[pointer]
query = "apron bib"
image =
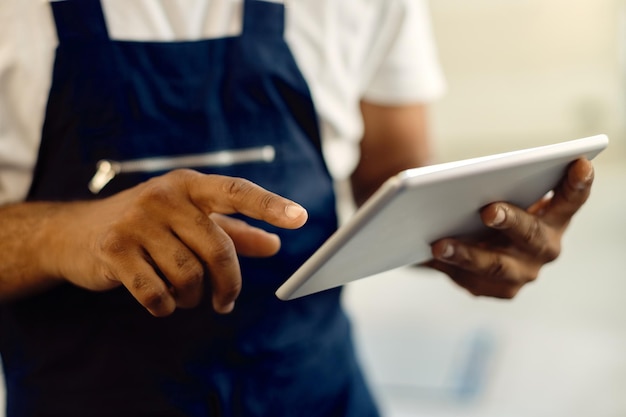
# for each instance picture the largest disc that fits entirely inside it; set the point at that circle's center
(120, 112)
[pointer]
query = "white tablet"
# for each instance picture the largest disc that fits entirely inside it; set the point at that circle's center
(396, 226)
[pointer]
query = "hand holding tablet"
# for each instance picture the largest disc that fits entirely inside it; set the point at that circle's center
(417, 207)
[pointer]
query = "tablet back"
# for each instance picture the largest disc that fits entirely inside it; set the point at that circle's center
(396, 226)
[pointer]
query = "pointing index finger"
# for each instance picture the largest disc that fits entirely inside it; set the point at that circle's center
(227, 195)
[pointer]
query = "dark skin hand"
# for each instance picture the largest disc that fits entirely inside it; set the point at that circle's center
(520, 243)
(174, 226)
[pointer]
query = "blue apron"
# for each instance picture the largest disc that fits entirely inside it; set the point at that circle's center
(240, 106)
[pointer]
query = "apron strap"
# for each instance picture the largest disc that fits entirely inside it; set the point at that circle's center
(91, 25)
(263, 18)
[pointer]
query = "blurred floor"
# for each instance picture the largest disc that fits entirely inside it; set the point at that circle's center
(558, 349)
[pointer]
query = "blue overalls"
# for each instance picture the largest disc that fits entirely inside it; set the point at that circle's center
(239, 106)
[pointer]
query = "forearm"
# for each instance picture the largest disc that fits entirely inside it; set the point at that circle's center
(27, 246)
(395, 138)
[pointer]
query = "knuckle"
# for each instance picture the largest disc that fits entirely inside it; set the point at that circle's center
(268, 201)
(236, 187)
(140, 282)
(191, 278)
(189, 272)
(187, 264)
(115, 243)
(547, 250)
(222, 252)
(157, 192)
(551, 252)
(496, 268)
(180, 175)
(153, 299)
(149, 296)
(203, 221)
(534, 232)
(535, 236)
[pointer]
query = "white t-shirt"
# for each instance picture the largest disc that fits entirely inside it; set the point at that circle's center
(381, 51)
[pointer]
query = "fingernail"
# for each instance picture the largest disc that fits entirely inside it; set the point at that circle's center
(293, 211)
(448, 251)
(500, 217)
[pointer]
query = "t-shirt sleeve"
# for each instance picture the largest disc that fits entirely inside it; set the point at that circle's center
(404, 60)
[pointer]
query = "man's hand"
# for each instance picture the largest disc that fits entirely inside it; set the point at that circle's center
(520, 243)
(165, 239)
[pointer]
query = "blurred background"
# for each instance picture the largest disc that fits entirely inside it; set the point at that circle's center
(520, 73)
